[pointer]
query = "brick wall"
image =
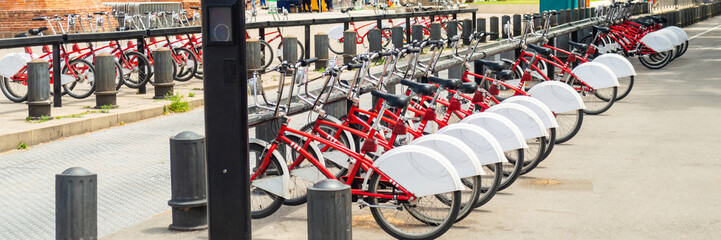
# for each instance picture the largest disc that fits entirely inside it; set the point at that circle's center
(16, 15)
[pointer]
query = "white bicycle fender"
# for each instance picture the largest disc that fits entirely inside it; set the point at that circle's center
(529, 123)
(617, 63)
(275, 185)
(657, 42)
(462, 157)
(486, 147)
(558, 96)
(538, 107)
(596, 75)
(671, 35)
(11, 64)
(506, 132)
(680, 32)
(336, 33)
(420, 170)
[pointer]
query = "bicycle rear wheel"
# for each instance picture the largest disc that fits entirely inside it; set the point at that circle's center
(335, 45)
(16, 91)
(656, 61)
(624, 88)
(84, 83)
(490, 183)
(266, 54)
(550, 143)
(263, 203)
(469, 196)
(569, 123)
(391, 217)
(597, 101)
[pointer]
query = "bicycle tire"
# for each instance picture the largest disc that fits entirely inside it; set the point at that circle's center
(494, 174)
(256, 151)
(300, 56)
(198, 51)
(139, 65)
(266, 53)
(624, 88)
(569, 123)
(509, 171)
(386, 36)
(335, 46)
(186, 64)
(533, 154)
(74, 89)
(683, 50)
(597, 101)
(665, 59)
(469, 197)
(6, 86)
(298, 186)
(392, 225)
(118, 76)
(550, 143)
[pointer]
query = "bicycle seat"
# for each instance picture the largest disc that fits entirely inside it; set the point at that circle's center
(195, 8)
(493, 65)
(420, 88)
(306, 62)
(450, 84)
(601, 29)
(540, 50)
(468, 87)
(577, 45)
(36, 31)
(21, 35)
(396, 101)
(503, 75)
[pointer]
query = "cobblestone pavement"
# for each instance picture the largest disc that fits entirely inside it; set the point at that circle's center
(132, 167)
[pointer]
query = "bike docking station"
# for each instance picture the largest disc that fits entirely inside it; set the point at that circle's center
(226, 119)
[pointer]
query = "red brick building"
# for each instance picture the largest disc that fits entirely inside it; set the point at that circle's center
(16, 15)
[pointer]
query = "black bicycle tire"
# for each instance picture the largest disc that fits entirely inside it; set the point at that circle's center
(528, 166)
(279, 51)
(550, 143)
(575, 130)
(387, 33)
(266, 50)
(513, 175)
(145, 77)
(277, 202)
(8, 93)
(378, 216)
(181, 75)
(608, 106)
(493, 189)
(68, 89)
(119, 76)
(332, 49)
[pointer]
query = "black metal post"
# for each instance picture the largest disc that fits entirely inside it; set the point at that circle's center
(307, 41)
(226, 119)
(408, 29)
(57, 97)
(76, 204)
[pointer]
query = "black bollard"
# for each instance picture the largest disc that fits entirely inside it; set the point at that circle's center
(187, 180)
(76, 204)
(329, 211)
(163, 73)
(38, 89)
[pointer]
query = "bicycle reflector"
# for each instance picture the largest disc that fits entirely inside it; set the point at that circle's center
(369, 145)
(526, 77)
(46, 49)
(571, 57)
(493, 90)
(477, 97)
(429, 115)
(399, 128)
(454, 104)
(76, 47)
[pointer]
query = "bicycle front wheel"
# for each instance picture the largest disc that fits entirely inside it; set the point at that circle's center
(262, 202)
(509, 170)
(186, 62)
(335, 45)
(569, 123)
(532, 155)
(16, 91)
(266, 54)
(83, 83)
(469, 196)
(400, 219)
(136, 69)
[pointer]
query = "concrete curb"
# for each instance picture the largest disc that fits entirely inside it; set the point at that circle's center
(82, 125)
